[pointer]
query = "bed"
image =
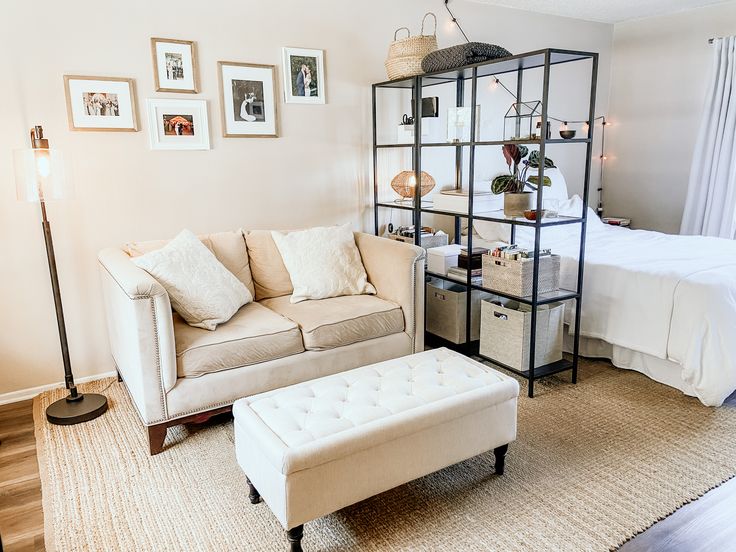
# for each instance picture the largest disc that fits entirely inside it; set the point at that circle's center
(659, 304)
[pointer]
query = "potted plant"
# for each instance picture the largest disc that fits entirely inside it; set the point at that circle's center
(517, 198)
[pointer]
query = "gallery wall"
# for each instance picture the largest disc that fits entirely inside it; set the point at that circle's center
(660, 73)
(316, 173)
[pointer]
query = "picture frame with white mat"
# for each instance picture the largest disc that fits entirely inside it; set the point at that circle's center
(304, 75)
(248, 99)
(178, 124)
(175, 65)
(103, 104)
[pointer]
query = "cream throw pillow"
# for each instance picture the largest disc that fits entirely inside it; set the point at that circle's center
(200, 288)
(323, 262)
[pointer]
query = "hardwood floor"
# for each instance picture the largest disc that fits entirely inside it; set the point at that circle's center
(704, 525)
(21, 514)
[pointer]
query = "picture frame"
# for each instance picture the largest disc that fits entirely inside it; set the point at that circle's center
(175, 124)
(304, 76)
(248, 99)
(102, 104)
(175, 66)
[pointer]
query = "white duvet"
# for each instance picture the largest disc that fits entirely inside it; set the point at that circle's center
(672, 297)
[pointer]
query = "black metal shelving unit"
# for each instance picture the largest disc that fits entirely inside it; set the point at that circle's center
(468, 75)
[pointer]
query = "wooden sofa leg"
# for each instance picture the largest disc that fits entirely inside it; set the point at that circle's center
(253, 494)
(156, 438)
(295, 535)
(500, 454)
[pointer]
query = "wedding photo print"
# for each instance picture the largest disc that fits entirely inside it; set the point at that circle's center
(100, 103)
(304, 76)
(247, 99)
(174, 65)
(178, 124)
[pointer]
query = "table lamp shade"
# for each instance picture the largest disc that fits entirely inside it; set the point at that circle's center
(40, 174)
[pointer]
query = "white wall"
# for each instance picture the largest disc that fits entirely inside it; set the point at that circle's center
(660, 72)
(317, 172)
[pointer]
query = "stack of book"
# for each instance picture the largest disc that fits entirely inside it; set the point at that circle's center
(474, 260)
(461, 275)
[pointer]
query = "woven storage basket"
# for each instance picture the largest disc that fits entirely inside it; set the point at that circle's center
(405, 55)
(505, 333)
(516, 277)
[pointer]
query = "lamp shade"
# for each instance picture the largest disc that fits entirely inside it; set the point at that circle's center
(40, 175)
(405, 182)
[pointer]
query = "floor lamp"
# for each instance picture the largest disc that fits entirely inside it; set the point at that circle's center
(39, 176)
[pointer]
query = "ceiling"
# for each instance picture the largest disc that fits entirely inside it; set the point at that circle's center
(605, 11)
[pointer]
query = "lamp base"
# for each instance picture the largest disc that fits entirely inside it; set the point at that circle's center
(83, 408)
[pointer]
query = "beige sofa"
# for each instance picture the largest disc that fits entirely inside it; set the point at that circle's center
(176, 373)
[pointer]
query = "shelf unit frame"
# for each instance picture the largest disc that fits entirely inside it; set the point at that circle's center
(545, 59)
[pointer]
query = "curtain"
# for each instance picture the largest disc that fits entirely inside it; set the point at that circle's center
(710, 207)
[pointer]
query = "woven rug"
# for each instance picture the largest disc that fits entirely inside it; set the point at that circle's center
(594, 464)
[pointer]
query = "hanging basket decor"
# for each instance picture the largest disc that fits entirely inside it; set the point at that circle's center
(405, 55)
(405, 182)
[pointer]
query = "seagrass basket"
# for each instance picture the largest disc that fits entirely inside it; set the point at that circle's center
(405, 55)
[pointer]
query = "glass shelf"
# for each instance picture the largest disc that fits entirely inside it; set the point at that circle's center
(542, 298)
(498, 216)
(521, 62)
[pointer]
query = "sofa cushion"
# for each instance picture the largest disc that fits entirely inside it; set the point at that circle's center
(254, 334)
(339, 321)
(228, 247)
(270, 277)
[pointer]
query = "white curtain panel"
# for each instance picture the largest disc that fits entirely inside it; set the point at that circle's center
(710, 208)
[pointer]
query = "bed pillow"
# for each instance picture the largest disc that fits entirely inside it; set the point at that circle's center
(200, 288)
(323, 262)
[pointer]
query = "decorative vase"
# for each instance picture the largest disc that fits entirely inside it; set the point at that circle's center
(514, 204)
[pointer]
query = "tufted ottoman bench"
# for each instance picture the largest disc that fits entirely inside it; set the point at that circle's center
(313, 448)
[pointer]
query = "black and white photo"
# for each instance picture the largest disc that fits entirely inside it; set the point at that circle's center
(175, 65)
(248, 93)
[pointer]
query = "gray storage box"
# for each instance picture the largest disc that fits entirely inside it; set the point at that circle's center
(506, 333)
(446, 308)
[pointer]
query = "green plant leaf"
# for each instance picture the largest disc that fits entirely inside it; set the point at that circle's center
(534, 179)
(502, 183)
(534, 161)
(523, 150)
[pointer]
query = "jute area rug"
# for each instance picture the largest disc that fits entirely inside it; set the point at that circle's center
(593, 465)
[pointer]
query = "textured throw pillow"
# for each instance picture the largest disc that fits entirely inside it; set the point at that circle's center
(322, 263)
(200, 288)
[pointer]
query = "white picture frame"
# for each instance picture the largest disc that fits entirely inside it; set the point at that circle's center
(104, 104)
(175, 65)
(178, 124)
(248, 100)
(302, 65)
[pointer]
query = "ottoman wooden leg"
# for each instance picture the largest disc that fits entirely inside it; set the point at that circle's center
(500, 454)
(295, 535)
(253, 494)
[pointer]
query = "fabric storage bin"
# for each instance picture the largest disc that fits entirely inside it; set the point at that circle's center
(446, 308)
(441, 259)
(516, 277)
(506, 333)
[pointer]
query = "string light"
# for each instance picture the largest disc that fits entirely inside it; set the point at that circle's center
(494, 83)
(563, 126)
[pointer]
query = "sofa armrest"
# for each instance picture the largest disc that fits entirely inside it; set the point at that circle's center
(141, 331)
(396, 270)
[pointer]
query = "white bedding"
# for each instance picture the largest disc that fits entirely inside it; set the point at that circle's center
(671, 297)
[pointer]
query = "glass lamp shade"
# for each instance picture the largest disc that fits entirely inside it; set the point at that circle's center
(40, 175)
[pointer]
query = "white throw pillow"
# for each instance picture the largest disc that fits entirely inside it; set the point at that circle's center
(200, 288)
(323, 262)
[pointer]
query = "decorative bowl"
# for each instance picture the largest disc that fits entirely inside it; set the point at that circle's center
(567, 134)
(531, 214)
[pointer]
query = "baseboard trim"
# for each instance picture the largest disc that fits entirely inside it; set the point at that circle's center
(25, 394)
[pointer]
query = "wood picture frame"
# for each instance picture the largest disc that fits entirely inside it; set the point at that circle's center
(173, 61)
(248, 106)
(101, 104)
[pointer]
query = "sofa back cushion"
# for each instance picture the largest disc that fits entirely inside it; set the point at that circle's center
(270, 277)
(228, 247)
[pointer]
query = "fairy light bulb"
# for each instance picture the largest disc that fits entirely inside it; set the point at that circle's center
(494, 83)
(563, 126)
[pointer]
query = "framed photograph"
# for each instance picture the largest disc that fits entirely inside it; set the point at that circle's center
(178, 124)
(175, 65)
(304, 76)
(101, 103)
(248, 96)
